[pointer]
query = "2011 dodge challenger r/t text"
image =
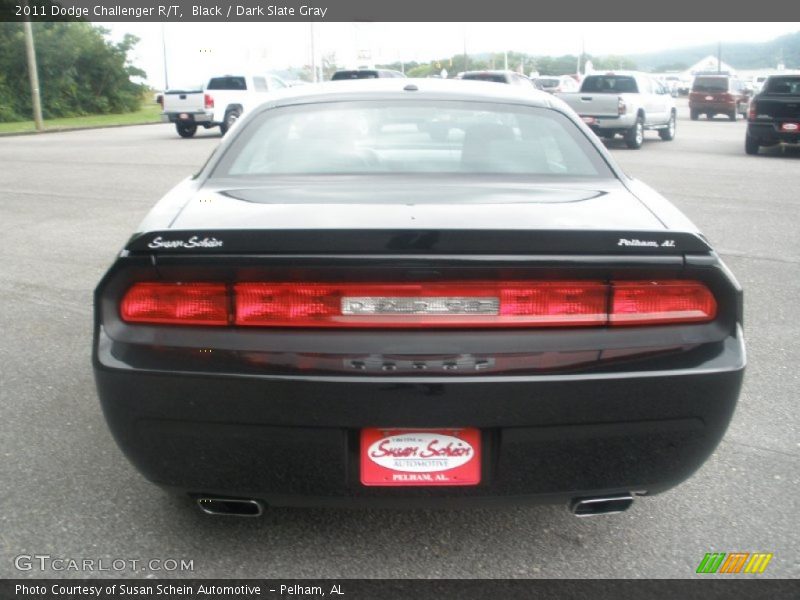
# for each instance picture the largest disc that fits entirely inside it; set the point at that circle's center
(416, 293)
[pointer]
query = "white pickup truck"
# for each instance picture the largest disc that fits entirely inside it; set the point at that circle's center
(223, 100)
(625, 103)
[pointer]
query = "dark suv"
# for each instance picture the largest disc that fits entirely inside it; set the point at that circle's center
(718, 94)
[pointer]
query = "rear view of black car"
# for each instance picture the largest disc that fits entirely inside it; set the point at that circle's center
(774, 115)
(343, 309)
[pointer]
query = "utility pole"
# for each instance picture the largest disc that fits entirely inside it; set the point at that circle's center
(465, 46)
(33, 74)
(719, 57)
(505, 60)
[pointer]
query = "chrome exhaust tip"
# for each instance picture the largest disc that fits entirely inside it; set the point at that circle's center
(600, 505)
(231, 507)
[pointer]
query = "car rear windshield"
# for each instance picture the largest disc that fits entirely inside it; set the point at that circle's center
(361, 74)
(407, 136)
(783, 85)
(710, 84)
(548, 82)
(227, 83)
(494, 77)
(609, 84)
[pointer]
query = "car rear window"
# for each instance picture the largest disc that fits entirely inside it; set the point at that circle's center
(609, 84)
(710, 84)
(227, 83)
(360, 74)
(494, 77)
(783, 85)
(548, 82)
(411, 137)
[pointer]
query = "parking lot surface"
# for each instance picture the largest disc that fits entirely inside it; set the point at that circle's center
(68, 202)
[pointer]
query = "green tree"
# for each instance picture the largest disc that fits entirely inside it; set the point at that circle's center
(80, 72)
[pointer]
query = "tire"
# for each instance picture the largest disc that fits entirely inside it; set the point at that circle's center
(668, 134)
(634, 137)
(231, 116)
(750, 145)
(695, 115)
(186, 130)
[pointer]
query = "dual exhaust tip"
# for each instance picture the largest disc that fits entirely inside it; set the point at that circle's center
(580, 507)
(600, 505)
(231, 507)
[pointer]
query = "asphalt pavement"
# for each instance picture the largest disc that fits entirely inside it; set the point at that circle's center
(68, 202)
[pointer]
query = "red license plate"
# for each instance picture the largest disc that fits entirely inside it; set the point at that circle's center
(411, 457)
(790, 127)
(589, 120)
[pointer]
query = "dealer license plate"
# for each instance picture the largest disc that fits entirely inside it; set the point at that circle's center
(790, 127)
(589, 120)
(414, 457)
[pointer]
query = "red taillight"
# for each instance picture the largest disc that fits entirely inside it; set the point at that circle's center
(208, 101)
(751, 111)
(622, 108)
(176, 303)
(658, 302)
(492, 304)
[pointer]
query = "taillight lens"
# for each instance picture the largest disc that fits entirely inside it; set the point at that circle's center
(751, 111)
(659, 302)
(176, 303)
(622, 108)
(485, 304)
(208, 101)
(493, 304)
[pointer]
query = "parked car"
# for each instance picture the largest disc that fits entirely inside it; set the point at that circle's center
(718, 94)
(555, 85)
(672, 83)
(497, 76)
(328, 315)
(774, 115)
(219, 103)
(365, 74)
(624, 103)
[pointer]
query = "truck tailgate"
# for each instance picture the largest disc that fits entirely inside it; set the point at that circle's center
(183, 101)
(593, 105)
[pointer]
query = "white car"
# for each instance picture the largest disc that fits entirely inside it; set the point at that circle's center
(220, 103)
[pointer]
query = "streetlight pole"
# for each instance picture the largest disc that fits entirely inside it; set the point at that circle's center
(313, 56)
(33, 74)
(164, 53)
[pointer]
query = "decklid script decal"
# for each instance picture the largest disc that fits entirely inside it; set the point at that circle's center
(406, 241)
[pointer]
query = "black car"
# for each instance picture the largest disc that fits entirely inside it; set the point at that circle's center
(342, 309)
(366, 74)
(774, 115)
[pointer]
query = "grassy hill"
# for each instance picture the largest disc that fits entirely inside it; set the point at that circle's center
(758, 55)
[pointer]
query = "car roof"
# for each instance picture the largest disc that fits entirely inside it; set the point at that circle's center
(422, 89)
(615, 73)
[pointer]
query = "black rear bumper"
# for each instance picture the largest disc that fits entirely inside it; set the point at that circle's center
(768, 134)
(294, 440)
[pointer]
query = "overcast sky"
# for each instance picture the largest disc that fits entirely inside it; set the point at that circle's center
(197, 50)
